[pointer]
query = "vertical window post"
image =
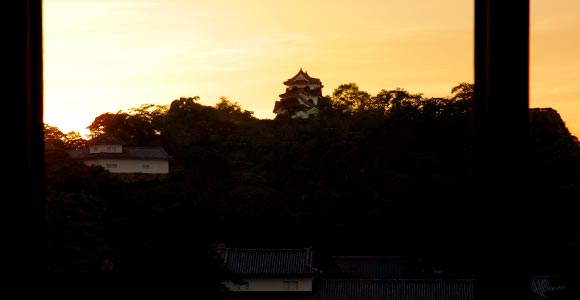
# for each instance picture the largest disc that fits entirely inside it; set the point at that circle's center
(23, 117)
(501, 113)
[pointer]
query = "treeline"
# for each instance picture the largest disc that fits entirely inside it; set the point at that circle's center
(389, 174)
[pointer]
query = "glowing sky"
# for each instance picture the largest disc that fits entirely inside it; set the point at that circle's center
(110, 55)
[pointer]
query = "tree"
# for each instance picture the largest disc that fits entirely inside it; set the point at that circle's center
(397, 102)
(109, 123)
(232, 111)
(140, 126)
(179, 121)
(150, 117)
(462, 98)
(152, 113)
(463, 92)
(76, 214)
(348, 97)
(434, 107)
(144, 124)
(288, 108)
(194, 130)
(58, 139)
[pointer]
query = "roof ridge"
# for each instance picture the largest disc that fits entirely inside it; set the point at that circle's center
(269, 249)
(397, 279)
(143, 147)
(365, 256)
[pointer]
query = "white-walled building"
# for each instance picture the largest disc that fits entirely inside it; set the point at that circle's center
(289, 274)
(269, 270)
(110, 153)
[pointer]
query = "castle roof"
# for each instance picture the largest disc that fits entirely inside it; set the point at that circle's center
(296, 91)
(302, 77)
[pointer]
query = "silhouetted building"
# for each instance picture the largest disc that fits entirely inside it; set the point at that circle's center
(130, 163)
(295, 274)
(269, 270)
(301, 98)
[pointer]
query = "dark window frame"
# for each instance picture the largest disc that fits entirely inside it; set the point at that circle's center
(501, 35)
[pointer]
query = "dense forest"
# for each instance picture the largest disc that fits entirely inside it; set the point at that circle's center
(385, 174)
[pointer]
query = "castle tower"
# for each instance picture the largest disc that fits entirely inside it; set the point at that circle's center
(300, 100)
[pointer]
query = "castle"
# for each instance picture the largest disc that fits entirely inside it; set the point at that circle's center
(301, 98)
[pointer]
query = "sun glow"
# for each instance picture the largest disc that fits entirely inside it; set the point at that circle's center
(106, 56)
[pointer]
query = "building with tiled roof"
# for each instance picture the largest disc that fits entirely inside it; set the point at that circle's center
(133, 163)
(289, 270)
(290, 274)
(301, 98)
(375, 289)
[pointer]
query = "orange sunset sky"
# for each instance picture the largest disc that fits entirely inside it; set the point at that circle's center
(111, 55)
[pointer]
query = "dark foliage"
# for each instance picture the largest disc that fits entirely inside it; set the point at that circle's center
(393, 177)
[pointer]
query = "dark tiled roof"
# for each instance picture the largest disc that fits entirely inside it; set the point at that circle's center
(298, 91)
(269, 262)
(369, 267)
(306, 103)
(107, 138)
(272, 296)
(368, 289)
(309, 80)
(277, 108)
(154, 153)
(541, 287)
(396, 289)
(389, 289)
(147, 152)
(299, 99)
(302, 100)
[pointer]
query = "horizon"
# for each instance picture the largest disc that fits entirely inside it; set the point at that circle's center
(109, 56)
